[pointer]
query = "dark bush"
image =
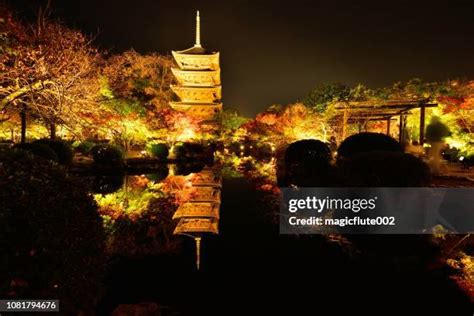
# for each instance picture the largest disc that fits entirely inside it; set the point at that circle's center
(307, 163)
(179, 151)
(193, 149)
(367, 142)
(62, 149)
(451, 154)
(39, 150)
(384, 169)
(309, 151)
(190, 150)
(160, 151)
(467, 162)
(52, 237)
(107, 155)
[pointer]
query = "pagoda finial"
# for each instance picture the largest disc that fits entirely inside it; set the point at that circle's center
(198, 252)
(198, 30)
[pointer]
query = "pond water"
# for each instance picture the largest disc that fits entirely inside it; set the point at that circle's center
(247, 267)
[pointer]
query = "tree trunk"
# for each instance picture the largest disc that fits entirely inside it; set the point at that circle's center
(23, 126)
(52, 131)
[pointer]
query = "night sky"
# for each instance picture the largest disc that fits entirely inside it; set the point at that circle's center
(275, 52)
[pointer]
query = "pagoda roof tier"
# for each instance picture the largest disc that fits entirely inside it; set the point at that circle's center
(188, 61)
(196, 226)
(207, 177)
(195, 50)
(206, 194)
(198, 110)
(197, 77)
(198, 94)
(202, 210)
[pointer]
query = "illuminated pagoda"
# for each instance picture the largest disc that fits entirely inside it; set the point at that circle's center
(198, 80)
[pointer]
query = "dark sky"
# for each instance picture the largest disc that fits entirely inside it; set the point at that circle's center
(276, 51)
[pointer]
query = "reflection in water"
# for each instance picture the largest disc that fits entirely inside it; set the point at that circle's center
(200, 214)
(104, 184)
(142, 212)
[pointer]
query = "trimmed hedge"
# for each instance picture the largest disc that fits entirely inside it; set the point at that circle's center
(39, 150)
(183, 151)
(107, 155)
(309, 151)
(307, 163)
(367, 142)
(62, 149)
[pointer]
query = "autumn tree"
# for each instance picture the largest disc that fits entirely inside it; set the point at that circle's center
(48, 71)
(142, 81)
(290, 123)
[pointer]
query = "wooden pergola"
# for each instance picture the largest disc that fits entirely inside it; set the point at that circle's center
(362, 112)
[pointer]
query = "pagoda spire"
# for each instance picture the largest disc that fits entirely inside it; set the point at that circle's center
(198, 30)
(198, 252)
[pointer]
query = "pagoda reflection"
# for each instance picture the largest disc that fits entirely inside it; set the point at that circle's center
(199, 215)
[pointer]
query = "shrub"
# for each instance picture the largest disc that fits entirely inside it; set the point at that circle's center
(160, 151)
(189, 150)
(39, 150)
(193, 150)
(384, 169)
(107, 155)
(62, 149)
(307, 163)
(367, 142)
(310, 151)
(52, 236)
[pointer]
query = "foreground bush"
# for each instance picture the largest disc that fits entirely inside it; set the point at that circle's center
(107, 155)
(367, 142)
(39, 150)
(307, 163)
(62, 149)
(52, 236)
